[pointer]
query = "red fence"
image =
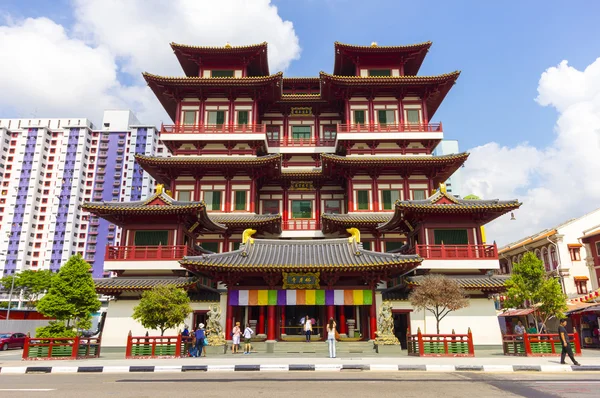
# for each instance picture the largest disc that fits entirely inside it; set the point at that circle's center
(61, 348)
(440, 345)
(308, 142)
(156, 346)
(212, 128)
(537, 345)
(389, 128)
(300, 225)
(458, 252)
(176, 252)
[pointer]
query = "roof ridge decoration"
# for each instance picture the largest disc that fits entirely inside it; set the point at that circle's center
(227, 46)
(152, 76)
(454, 74)
(375, 45)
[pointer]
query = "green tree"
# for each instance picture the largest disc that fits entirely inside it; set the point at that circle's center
(32, 284)
(530, 286)
(72, 296)
(471, 197)
(438, 295)
(162, 308)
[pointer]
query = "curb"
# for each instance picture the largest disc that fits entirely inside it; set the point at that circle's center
(17, 370)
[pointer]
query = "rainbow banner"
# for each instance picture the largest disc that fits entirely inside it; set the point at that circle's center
(300, 297)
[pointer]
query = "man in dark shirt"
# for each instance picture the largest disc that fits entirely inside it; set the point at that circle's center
(566, 345)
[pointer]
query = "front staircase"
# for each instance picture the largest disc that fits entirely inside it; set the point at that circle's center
(315, 347)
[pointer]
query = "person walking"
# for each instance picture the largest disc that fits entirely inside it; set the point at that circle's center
(248, 332)
(566, 345)
(193, 351)
(185, 336)
(331, 330)
(307, 328)
(200, 340)
(236, 333)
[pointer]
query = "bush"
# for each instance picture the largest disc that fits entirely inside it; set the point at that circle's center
(55, 329)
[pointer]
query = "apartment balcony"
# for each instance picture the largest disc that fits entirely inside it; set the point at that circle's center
(186, 129)
(470, 256)
(148, 253)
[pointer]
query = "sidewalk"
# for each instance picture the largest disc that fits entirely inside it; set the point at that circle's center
(10, 363)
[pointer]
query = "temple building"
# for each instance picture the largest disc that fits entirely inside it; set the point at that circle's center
(287, 197)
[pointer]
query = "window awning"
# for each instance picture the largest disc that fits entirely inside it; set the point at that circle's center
(574, 245)
(581, 278)
(521, 312)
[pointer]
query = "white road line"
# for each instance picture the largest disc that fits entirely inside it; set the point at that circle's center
(566, 382)
(28, 389)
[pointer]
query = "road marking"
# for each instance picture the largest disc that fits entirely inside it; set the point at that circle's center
(28, 389)
(566, 382)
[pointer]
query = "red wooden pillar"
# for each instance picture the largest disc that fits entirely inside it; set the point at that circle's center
(343, 326)
(285, 214)
(201, 115)
(318, 207)
(373, 318)
(253, 195)
(348, 118)
(350, 195)
(406, 189)
(425, 115)
(228, 321)
(371, 113)
(330, 313)
(271, 323)
(228, 194)
(261, 320)
(282, 326)
(285, 128)
(375, 194)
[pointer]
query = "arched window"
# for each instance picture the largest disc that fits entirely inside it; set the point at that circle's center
(546, 259)
(515, 260)
(553, 259)
(538, 254)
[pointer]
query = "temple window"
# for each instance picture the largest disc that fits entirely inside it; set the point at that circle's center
(359, 117)
(151, 238)
(273, 133)
(419, 194)
(302, 209)
(393, 245)
(235, 245)
(389, 197)
(575, 255)
(413, 116)
(300, 133)
(366, 245)
(329, 132)
(242, 117)
(380, 72)
(222, 73)
(581, 286)
(211, 246)
(216, 117)
(213, 200)
(240, 200)
(184, 196)
(333, 206)
(450, 236)
(386, 117)
(363, 200)
(270, 206)
(189, 117)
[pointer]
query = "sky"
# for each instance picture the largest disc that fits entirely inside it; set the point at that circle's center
(526, 106)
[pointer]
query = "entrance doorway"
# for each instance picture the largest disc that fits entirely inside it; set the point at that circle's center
(292, 321)
(401, 324)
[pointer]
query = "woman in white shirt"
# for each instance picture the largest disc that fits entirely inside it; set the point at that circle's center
(247, 339)
(331, 325)
(307, 328)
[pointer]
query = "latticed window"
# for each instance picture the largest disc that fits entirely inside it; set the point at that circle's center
(413, 116)
(393, 245)
(359, 117)
(385, 117)
(217, 117)
(151, 238)
(213, 200)
(301, 209)
(363, 200)
(451, 236)
(301, 132)
(210, 246)
(184, 196)
(270, 206)
(380, 72)
(189, 117)
(242, 117)
(419, 194)
(389, 197)
(222, 73)
(240, 200)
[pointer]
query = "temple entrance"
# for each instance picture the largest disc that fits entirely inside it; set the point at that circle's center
(292, 321)
(401, 324)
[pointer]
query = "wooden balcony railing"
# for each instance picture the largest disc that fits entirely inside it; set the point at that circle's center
(291, 142)
(212, 129)
(301, 225)
(440, 345)
(458, 252)
(61, 348)
(133, 253)
(538, 345)
(390, 128)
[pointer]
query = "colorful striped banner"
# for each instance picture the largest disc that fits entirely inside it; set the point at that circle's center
(300, 297)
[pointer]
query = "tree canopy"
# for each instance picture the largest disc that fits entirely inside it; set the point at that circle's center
(72, 296)
(32, 284)
(438, 295)
(530, 286)
(162, 308)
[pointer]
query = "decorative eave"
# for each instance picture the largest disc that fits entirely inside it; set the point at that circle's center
(496, 283)
(267, 255)
(412, 55)
(241, 221)
(387, 80)
(340, 222)
(408, 212)
(302, 98)
(255, 55)
(111, 286)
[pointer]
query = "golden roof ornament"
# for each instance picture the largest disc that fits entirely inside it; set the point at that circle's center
(227, 45)
(246, 235)
(355, 235)
(443, 187)
(373, 44)
(159, 189)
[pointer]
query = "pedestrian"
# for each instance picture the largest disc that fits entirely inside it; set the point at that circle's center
(186, 331)
(331, 332)
(201, 340)
(193, 351)
(248, 332)
(566, 345)
(519, 330)
(185, 337)
(532, 329)
(307, 328)
(236, 333)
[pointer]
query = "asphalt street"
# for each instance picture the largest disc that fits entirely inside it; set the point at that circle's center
(298, 384)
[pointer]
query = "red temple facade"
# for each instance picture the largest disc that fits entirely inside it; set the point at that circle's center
(286, 197)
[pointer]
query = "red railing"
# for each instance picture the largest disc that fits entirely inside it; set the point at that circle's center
(538, 345)
(61, 348)
(155, 346)
(440, 345)
(458, 252)
(177, 252)
(301, 225)
(212, 129)
(290, 142)
(390, 128)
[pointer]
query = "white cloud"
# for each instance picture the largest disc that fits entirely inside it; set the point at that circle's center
(554, 183)
(53, 72)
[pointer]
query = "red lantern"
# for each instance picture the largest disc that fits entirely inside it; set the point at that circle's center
(596, 293)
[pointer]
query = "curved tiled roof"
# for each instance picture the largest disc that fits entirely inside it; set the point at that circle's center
(386, 80)
(358, 218)
(210, 81)
(287, 255)
(225, 48)
(382, 160)
(244, 218)
(378, 48)
(496, 282)
(120, 284)
(170, 206)
(205, 160)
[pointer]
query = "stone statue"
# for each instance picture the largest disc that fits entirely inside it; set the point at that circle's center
(385, 326)
(215, 334)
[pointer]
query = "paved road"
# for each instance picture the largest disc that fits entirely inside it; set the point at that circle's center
(355, 384)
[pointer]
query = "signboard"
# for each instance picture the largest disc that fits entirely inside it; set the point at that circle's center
(308, 280)
(301, 111)
(302, 186)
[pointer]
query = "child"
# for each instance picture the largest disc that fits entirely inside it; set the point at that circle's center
(247, 339)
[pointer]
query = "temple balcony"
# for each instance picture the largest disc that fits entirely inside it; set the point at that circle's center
(301, 145)
(146, 257)
(390, 131)
(468, 256)
(301, 229)
(208, 132)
